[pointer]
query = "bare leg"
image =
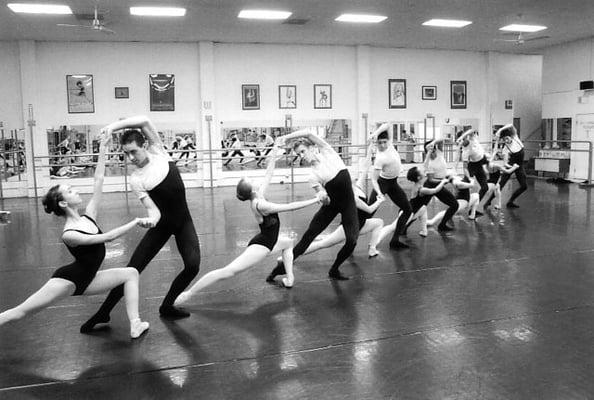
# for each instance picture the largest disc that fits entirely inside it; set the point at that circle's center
(375, 225)
(250, 257)
(497, 192)
(111, 278)
(332, 239)
(55, 289)
(285, 246)
(473, 204)
(423, 221)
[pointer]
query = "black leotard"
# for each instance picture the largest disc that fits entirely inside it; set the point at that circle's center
(88, 259)
(268, 231)
(494, 176)
(464, 194)
(363, 215)
(421, 200)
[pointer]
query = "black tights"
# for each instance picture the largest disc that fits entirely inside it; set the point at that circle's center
(398, 197)
(476, 169)
(189, 249)
(521, 176)
(447, 198)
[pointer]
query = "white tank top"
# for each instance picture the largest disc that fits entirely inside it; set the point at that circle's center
(476, 152)
(388, 161)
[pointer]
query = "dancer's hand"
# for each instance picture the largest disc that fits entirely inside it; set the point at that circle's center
(104, 137)
(323, 198)
(381, 196)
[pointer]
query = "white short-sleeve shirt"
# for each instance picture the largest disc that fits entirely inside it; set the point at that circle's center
(388, 162)
(154, 172)
(328, 166)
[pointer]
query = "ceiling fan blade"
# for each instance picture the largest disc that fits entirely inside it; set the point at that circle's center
(506, 40)
(107, 30)
(75, 26)
(536, 38)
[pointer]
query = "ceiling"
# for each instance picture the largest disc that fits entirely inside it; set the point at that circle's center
(216, 20)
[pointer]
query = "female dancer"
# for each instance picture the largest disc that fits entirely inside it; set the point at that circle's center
(365, 212)
(262, 244)
(86, 242)
(514, 154)
(331, 178)
(466, 200)
(477, 159)
(385, 180)
(436, 169)
(496, 168)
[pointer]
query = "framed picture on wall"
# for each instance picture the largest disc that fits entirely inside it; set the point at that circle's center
(162, 92)
(509, 105)
(250, 97)
(322, 96)
(122, 92)
(79, 89)
(429, 92)
(397, 93)
(458, 98)
(287, 96)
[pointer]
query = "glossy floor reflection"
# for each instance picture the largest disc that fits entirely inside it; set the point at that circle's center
(500, 309)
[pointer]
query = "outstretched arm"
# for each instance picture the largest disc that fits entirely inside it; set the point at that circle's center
(143, 123)
(368, 208)
(315, 139)
(466, 134)
(73, 238)
(503, 128)
(266, 207)
(428, 191)
(93, 205)
(271, 162)
(385, 127)
(460, 184)
(510, 170)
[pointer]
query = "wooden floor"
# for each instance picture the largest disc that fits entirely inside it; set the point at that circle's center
(499, 309)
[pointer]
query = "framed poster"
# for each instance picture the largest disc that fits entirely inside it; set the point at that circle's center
(458, 97)
(429, 92)
(397, 93)
(162, 92)
(122, 93)
(322, 96)
(508, 105)
(80, 94)
(287, 96)
(250, 97)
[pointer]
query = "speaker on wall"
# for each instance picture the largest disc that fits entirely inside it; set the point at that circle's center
(585, 85)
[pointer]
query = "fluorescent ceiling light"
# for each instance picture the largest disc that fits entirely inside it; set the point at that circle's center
(361, 18)
(447, 23)
(158, 11)
(523, 28)
(39, 8)
(264, 14)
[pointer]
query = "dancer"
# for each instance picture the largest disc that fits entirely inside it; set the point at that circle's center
(385, 180)
(496, 168)
(477, 159)
(86, 242)
(436, 169)
(466, 200)
(513, 154)
(330, 177)
(159, 187)
(264, 243)
(365, 212)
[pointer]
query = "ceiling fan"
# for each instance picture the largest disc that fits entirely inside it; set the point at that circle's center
(97, 24)
(521, 39)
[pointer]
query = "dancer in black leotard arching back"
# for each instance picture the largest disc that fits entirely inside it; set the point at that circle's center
(86, 242)
(263, 243)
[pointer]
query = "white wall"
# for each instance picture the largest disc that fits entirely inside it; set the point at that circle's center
(429, 68)
(517, 78)
(10, 106)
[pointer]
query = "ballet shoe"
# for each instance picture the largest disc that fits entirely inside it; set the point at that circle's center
(171, 312)
(181, 299)
(372, 252)
(288, 283)
(89, 326)
(337, 275)
(137, 328)
(512, 205)
(423, 233)
(278, 270)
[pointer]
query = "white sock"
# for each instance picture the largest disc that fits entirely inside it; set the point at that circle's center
(137, 328)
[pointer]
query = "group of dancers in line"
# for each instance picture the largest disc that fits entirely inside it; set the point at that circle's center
(159, 186)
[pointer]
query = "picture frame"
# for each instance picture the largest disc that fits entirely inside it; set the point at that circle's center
(122, 92)
(458, 94)
(429, 92)
(80, 93)
(509, 105)
(250, 97)
(396, 93)
(162, 92)
(322, 96)
(287, 96)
